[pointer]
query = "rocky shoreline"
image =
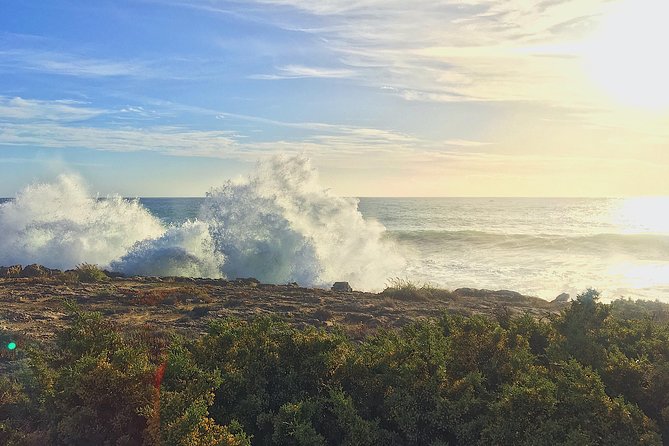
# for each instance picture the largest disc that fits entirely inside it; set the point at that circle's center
(33, 303)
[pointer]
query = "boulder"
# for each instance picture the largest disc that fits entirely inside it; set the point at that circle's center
(562, 298)
(342, 286)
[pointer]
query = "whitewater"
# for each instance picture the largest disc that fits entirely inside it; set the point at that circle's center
(278, 225)
(281, 225)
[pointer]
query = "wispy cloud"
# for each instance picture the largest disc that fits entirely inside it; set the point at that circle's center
(71, 64)
(301, 71)
(21, 109)
(373, 154)
(453, 50)
(324, 141)
(169, 140)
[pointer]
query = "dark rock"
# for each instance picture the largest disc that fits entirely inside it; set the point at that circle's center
(35, 270)
(342, 287)
(10, 271)
(562, 298)
(113, 274)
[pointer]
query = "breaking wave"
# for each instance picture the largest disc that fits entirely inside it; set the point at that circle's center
(279, 225)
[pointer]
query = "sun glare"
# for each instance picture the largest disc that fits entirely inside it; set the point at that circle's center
(642, 215)
(626, 56)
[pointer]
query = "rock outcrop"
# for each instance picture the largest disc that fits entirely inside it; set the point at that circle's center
(342, 287)
(10, 271)
(34, 270)
(562, 298)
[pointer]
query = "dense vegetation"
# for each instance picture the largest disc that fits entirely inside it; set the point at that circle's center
(595, 375)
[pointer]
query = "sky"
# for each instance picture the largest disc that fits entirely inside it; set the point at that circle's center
(386, 97)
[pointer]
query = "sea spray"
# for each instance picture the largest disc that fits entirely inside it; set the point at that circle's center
(281, 225)
(59, 225)
(184, 250)
(278, 225)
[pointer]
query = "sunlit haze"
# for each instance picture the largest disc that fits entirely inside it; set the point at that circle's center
(387, 98)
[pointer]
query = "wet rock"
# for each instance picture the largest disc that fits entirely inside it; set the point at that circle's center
(342, 287)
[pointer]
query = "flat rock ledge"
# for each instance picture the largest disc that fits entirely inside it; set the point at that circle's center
(34, 306)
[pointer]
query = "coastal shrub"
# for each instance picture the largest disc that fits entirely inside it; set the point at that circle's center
(14, 417)
(625, 345)
(640, 309)
(97, 384)
(405, 289)
(179, 415)
(264, 365)
(583, 377)
(98, 387)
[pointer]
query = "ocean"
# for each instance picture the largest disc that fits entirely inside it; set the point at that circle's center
(286, 228)
(537, 246)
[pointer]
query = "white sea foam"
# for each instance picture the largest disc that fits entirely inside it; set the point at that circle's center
(279, 225)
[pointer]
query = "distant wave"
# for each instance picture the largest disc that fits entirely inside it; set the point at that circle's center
(645, 246)
(279, 225)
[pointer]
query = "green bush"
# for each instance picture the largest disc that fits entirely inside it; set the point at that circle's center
(583, 377)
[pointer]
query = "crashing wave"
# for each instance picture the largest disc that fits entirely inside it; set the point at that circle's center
(278, 225)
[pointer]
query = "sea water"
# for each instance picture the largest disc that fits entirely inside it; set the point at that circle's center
(281, 226)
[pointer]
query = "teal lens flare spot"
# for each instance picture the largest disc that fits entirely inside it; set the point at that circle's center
(11, 345)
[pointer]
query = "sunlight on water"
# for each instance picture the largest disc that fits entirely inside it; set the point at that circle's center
(642, 215)
(640, 274)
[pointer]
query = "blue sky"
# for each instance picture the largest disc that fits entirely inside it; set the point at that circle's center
(388, 98)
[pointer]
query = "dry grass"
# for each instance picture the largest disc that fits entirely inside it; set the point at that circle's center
(404, 289)
(171, 295)
(84, 273)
